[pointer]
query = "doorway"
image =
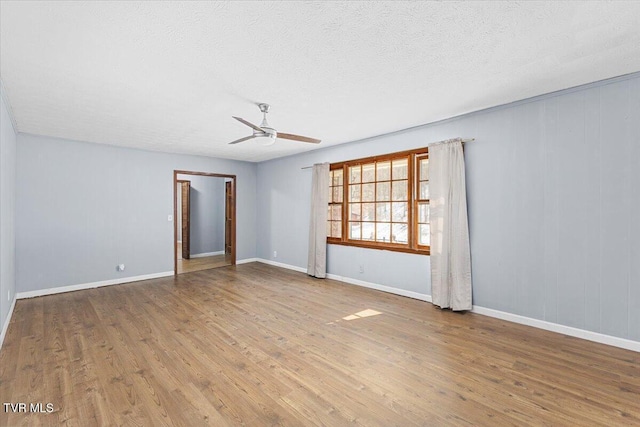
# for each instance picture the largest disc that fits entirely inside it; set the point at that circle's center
(205, 220)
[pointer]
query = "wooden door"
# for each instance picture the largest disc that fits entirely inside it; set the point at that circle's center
(228, 221)
(185, 212)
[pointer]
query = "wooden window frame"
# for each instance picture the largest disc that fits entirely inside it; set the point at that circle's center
(332, 203)
(418, 201)
(412, 209)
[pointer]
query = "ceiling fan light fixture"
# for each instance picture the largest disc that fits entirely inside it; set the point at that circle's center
(266, 139)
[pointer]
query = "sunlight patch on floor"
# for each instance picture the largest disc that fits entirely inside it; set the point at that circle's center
(364, 313)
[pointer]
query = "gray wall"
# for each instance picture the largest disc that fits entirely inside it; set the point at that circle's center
(284, 199)
(553, 196)
(207, 213)
(7, 209)
(83, 208)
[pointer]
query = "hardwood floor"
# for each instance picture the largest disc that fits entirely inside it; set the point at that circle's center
(198, 264)
(258, 345)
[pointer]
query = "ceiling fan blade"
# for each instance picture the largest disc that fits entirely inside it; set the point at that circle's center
(246, 138)
(251, 125)
(298, 138)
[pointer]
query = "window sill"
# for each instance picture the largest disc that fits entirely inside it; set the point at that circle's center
(379, 247)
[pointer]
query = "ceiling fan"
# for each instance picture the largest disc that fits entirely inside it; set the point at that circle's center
(265, 134)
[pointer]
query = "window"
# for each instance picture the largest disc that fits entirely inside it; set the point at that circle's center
(376, 202)
(334, 224)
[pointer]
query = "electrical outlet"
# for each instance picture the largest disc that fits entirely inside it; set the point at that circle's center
(120, 267)
(275, 254)
(362, 269)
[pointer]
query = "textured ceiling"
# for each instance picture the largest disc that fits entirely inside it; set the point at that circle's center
(168, 76)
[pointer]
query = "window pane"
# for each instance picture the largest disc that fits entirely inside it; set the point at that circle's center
(399, 233)
(368, 172)
(400, 190)
(423, 237)
(383, 191)
(399, 211)
(336, 212)
(368, 211)
(400, 169)
(368, 230)
(354, 174)
(336, 229)
(424, 190)
(383, 232)
(423, 213)
(354, 230)
(354, 212)
(368, 192)
(337, 177)
(423, 164)
(383, 211)
(337, 194)
(383, 171)
(354, 193)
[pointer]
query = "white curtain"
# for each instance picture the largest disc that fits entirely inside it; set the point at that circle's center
(317, 261)
(450, 253)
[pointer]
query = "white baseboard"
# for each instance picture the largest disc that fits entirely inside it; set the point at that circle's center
(279, 264)
(515, 318)
(61, 289)
(7, 321)
(383, 288)
(561, 329)
(204, 254)
(246, 261)
(389, 289)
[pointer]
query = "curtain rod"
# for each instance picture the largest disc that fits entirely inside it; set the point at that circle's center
(463, 142)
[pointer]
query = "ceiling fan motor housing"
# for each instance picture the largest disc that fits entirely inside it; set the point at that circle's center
(270, 132)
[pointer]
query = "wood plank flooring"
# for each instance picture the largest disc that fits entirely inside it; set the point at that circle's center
(198, 264)
(257, 345)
